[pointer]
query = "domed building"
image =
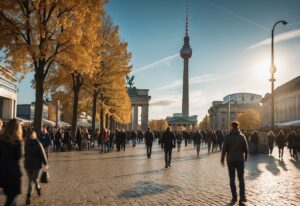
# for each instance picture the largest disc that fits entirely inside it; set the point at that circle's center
(221, 113)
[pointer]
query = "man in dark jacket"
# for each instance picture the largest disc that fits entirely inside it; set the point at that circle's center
(236, 149)
(149, 137)
(168, 140)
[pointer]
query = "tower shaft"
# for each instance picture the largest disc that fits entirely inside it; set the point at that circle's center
(185, 91)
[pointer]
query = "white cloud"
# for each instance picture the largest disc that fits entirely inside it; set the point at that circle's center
(193, 80)
(163, 60)
(278, 38)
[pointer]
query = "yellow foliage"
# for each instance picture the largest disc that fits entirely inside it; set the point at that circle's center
(249, 120)
(158, 125)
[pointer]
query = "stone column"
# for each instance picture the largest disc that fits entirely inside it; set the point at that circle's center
(145, 116)
(135, 117)
(298, 107)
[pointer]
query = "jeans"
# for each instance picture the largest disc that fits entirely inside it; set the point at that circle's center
(239, 167)
(149, 150)
(104, 147)
(198, 147)
(33, 175)
(168, 156)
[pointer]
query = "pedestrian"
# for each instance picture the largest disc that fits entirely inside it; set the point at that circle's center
(79, 139)
(271, 140)
(280, 141)
(45, 139)
(123, 139)
(168, 140)
(235, 149)
(220, 138)
(149, 138)
(293, 144)
(35, 158)
(58, 140)
(133, 137)
(10, 154)
(254, 142)
(118, 139)
(209, 140)
(197, 141)
(179, 139)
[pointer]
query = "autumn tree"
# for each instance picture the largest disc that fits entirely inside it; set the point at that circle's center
(41, 35)
(158, 125)
(108, 82)
(249, 120)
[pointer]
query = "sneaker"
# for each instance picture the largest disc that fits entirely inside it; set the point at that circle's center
(39, 191)
(166, 166)
(169, 165)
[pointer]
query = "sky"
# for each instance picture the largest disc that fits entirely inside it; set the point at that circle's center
(231, 49)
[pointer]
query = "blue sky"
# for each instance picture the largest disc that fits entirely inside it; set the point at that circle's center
(230, 42)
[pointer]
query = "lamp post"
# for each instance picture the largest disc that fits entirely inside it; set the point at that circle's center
(229, 113)
(273, 70)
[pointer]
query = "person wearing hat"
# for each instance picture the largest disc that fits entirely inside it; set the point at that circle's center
(235, 149)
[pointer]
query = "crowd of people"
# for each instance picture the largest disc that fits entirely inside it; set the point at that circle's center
(37, 148)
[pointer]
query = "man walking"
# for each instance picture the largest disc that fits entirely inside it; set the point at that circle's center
(168, 141)
(236, 149)
(149, 137)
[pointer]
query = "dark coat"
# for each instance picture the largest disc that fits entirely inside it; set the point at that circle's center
(235, 147)
(10, 172)
(280, 140)
(168, 140)
(45, 140)
(198, 138)
(35, 155)
(149, 137)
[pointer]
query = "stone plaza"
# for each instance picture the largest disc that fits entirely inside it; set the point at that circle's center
(129, 178)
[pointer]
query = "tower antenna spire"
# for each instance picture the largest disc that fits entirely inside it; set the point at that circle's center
(186, 17)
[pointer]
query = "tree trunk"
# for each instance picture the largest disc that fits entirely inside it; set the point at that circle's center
(77, 83)
(95, 95)
(106, 120)
(74, 116)
(39, 93)
(101, 119)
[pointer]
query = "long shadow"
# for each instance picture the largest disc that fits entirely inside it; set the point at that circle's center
(296, 163)
(143, 188)
(271, 166)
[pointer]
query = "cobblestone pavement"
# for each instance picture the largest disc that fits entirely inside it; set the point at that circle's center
(129, 178)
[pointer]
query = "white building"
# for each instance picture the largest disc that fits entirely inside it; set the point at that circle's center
(221, 113)
(286, 106)
(8, 94)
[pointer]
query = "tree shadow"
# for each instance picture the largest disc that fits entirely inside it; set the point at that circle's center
(143, 188)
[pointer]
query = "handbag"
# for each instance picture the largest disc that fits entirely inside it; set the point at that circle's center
(44, 177)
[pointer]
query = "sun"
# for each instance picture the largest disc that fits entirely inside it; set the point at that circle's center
(261, 67)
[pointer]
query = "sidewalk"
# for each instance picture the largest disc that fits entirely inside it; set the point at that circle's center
(129, 178)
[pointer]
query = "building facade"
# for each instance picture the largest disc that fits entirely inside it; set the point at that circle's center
(26, 111)
(8, 94)
(286, 103)
(221, 113)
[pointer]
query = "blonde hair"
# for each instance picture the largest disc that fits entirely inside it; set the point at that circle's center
(13, 131)
(31, 134)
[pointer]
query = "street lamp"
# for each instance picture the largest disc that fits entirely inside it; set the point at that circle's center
(273, 70)
(229, 123)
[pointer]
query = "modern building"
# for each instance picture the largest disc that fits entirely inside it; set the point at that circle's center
(26, 111)
(286, 103)
(8, 94)
(183, 119)
(221, 113)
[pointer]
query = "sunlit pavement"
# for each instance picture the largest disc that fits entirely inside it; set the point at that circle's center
(129, 178)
